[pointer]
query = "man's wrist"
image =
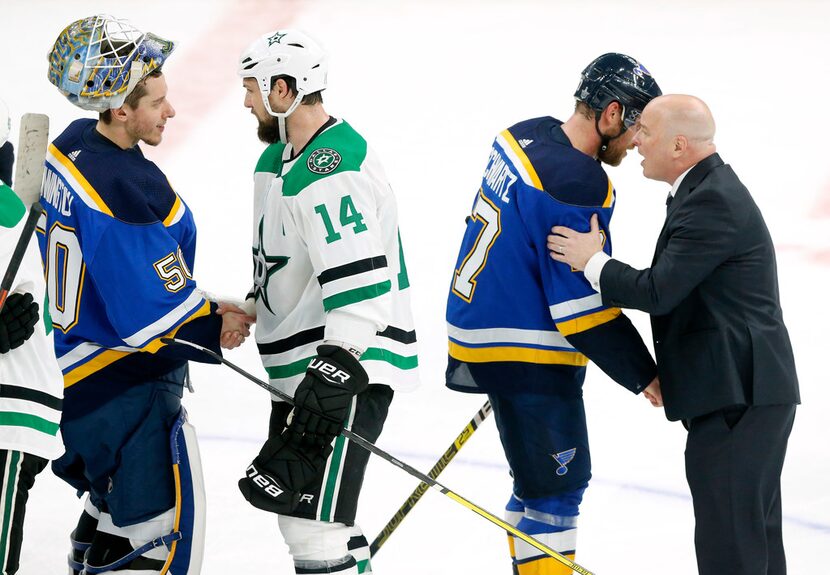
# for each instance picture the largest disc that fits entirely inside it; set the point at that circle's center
(593, 269)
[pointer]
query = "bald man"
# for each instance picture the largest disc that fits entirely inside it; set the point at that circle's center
(724, 357)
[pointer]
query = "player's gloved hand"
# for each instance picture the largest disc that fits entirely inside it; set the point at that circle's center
(17, 321)
(275, 479)
(323, 399)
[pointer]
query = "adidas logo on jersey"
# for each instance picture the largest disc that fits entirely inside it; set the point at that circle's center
(524, 142)
(73, 155)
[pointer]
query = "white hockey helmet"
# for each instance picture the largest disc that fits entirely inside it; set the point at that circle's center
(5, 123)
(97, 61)
(285, 53)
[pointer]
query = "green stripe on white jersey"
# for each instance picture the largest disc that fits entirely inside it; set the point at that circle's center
(326, 238)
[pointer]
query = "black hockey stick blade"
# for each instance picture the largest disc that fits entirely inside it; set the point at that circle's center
(19, 252)
(372, 448)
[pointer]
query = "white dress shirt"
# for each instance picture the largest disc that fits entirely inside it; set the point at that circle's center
(593, 269)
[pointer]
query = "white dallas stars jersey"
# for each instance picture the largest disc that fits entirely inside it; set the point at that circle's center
(328, 261)
(31, 383)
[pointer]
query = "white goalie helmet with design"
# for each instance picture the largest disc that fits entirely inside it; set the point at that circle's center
(97, 61)
(5, 123)
(285, 53)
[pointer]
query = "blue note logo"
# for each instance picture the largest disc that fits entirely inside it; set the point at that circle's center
(563, 458)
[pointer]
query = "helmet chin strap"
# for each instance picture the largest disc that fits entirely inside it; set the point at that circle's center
(281, 116)
(604, 139)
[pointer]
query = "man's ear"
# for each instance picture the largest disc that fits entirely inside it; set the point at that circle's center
(119, 114)
(679, 146)
(611, 115)
(281, 89)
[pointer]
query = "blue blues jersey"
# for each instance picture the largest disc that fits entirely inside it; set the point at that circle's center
(516, 318)
(118, 246)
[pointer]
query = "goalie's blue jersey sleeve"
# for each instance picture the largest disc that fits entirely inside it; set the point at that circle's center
(118, 246)
(516, 318)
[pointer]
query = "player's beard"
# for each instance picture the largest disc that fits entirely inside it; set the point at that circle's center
(268, 130)
(613, 154)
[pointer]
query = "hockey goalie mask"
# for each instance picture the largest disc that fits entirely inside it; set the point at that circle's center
(5, 123)
(97, 61)
(285, 53)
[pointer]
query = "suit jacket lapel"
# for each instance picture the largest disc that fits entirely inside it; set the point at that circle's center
(692, 179)
(689, 183)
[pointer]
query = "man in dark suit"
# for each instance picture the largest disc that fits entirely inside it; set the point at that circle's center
(724, 357)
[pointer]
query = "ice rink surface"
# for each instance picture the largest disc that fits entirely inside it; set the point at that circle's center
(429, 84)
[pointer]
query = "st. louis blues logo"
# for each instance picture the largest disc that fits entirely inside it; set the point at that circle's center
(641, 71)
(563, 458)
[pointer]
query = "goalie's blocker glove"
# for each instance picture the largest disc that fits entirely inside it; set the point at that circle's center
(323, 399)
(17, 321)
(275, 479)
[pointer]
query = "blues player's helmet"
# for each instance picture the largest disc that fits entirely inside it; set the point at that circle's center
(285, 53)
(617, 78)
(5, 123)
(97, 61)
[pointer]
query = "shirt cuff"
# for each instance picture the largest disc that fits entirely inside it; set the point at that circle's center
(593, 269)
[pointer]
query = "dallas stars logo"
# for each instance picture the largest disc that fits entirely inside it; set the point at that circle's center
(264, 267)
(275, 39)
(323, 161)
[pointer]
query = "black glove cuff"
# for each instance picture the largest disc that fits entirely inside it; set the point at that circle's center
(339, 367)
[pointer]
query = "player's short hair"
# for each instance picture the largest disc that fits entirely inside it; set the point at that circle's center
(584, 109)
(132, 99)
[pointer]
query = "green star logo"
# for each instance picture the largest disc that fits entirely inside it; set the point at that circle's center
(323, 161)
(264, 267)
(275, 39)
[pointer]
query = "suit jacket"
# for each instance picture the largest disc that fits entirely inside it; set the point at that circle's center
(712, 292)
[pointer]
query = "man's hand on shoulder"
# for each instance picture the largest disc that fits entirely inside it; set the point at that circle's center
(575, 248)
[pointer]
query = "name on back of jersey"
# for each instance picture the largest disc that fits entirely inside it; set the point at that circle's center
(498, 176)
(56, 193)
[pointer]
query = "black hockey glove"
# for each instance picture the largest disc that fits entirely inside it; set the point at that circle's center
(276, 478)
(323, 399)
(17, 321)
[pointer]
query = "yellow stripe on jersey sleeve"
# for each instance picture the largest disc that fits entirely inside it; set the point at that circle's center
(609, 199)
(110, 356)
(586, 322)
(79, 177)
(154, 345)
(519, 152)
(171, 217)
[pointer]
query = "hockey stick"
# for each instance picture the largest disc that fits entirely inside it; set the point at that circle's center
(371, 447)
(28, 178)
(31, 151)
(19, 252)
(436, 470)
